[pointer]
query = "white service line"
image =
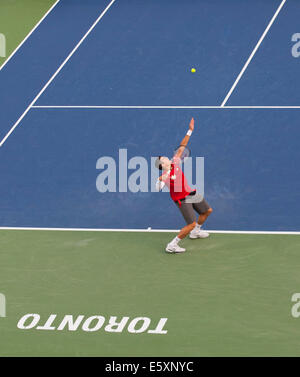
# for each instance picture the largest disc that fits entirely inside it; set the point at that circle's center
(253, 53)
(147, 230)
(56, 73)
(160, 107)
(122, 107)
(28, 35)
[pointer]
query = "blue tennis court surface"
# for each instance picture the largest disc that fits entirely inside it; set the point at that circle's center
(139, 54)
(142, 51)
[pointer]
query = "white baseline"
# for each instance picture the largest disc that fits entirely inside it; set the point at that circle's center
(147, 230)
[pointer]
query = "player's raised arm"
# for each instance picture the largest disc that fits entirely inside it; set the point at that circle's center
(186, 139)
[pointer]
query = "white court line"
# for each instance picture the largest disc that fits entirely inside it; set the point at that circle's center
(147, 230)
(123, 107)
(56, 73)
(28, 35)
(161, 107)
(253, 53)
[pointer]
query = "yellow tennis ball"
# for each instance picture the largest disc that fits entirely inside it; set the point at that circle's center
(193, 70)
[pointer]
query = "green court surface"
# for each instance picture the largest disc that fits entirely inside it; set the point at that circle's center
(18, 18)
(228, 295)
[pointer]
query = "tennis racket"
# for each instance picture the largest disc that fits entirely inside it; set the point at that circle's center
(185, 152)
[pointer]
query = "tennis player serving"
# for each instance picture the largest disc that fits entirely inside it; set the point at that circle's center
(187, 200)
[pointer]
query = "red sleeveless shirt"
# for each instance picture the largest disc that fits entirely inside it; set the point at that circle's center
(177, 182)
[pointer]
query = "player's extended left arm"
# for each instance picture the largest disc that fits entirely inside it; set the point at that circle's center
(186, 139)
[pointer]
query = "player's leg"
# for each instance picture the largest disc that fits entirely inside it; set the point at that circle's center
(204, 210)
(186, 230)
(203, 216)
(187, 212)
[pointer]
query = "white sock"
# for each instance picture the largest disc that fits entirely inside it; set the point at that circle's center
(175, 241)
(197, 227)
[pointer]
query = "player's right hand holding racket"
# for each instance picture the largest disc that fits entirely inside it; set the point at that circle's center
(179, 154)
(182, 151)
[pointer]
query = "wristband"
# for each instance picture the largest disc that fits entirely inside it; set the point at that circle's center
(189, 132)
(159, 185)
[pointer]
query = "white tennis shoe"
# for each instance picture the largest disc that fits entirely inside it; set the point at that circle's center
(174, 248)
(199, 233)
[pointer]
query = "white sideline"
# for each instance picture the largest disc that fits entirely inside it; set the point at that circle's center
(28, 35)
(159, 107)
(56, 73)
(147, 230)
(253, 53)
